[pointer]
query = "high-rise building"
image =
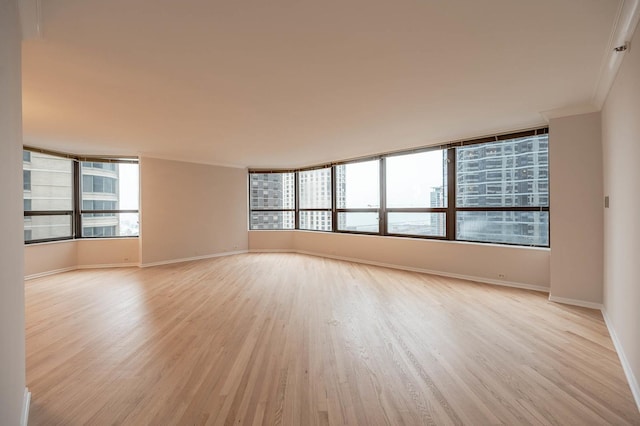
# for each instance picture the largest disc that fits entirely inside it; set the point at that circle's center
(511, 173)
(48, 187)
(272, 192)
(100, 191)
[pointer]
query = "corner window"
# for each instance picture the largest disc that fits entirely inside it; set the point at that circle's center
(65, 199)
(492, 190)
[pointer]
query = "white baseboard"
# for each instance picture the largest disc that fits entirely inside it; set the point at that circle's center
(626, 367)
(77, 267)
(108, 265)
(189, 259)
(410, 269)
(575, 302)
(26, 402)
(47, 273)
(271, 251)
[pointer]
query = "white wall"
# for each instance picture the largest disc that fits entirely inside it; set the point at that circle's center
(519, 266)
(191, 210)
(576, 205)
(12, 338)
(621, 148)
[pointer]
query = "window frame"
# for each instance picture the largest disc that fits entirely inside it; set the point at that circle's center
(330, 209)
(336, 211)
(35, 213)
(446, 210)
(295, 200)
(80, 205)
(450, 211)
(453, 169)
(76, 211)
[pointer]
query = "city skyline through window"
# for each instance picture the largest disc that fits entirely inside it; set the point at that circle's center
(500, 193)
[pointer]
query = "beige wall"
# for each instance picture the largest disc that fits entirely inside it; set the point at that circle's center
(522, 266)
(51, 257)
(12, 348)
(621, 146)
(191, 210)
(576, 204)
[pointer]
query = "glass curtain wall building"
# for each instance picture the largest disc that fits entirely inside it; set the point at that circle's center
(66, 198)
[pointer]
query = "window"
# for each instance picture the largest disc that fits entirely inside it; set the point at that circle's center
(358, 196)
(496, 192)
(104, 184)
(109, 199)
(26, 180)
(48, 197)
(502, 191)
(315, 191)
(272, 200)
(65, 199)
(417, 193)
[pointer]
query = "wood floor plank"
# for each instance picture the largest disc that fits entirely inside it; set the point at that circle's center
(264, 339)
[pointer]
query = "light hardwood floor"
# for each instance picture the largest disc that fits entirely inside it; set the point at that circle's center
(300, 340)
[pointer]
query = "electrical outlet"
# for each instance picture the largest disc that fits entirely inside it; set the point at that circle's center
(502, 276)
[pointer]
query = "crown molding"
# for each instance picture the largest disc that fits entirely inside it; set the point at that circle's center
(30, 18)
(621, 34)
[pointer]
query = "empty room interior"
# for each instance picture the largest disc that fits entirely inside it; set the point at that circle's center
(332, 212)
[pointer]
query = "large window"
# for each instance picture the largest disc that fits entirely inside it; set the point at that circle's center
(314, 189)
(109, 205)
(272, 200)
(502, 191)
(417, 193)
(66, 199)
(491, 190)
(48, 197)
(358, 196)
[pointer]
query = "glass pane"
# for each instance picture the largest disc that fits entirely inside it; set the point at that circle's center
(315, 221)
(430, 224)
(417, 180)
(511, 173)
(315, 189)
(271, 191)
(358, 185)
(272, 220)
(47, 227)
(110, 186)
(47, 182)
(110, 225)
(526, 228)
(358, 221)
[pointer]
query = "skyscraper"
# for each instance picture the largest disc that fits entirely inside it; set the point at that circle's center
(511, 173)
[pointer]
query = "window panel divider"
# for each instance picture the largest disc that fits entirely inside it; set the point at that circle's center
(77, 200)
(49, 213)
(503, 209)
(334, 198)
(108, 211)
(382, 216)
(450, 218)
